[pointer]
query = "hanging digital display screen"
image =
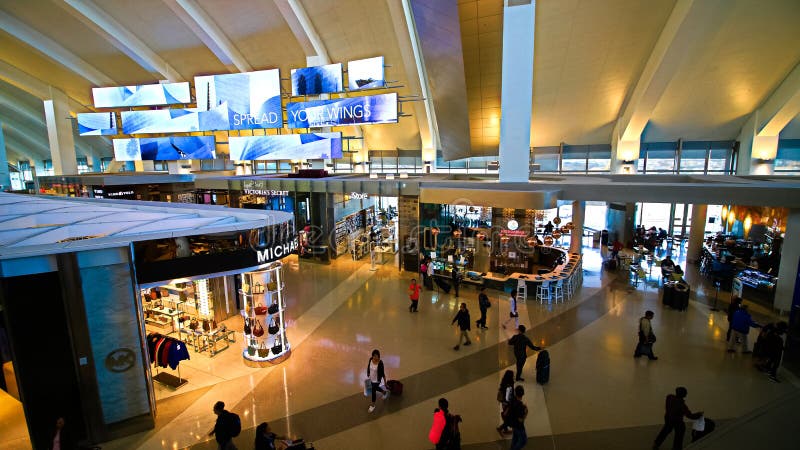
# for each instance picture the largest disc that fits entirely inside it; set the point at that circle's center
(239, 101)
(371, 109)
(164, 148)
(365, 74)
(317, 80)
(97, 124)
(142, 95)
(286, 146)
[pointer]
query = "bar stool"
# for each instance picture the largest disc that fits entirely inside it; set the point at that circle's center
(571, 285)
(558, 291)
(522, 290)
(543, 292)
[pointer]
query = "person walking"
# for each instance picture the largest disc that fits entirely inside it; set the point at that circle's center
(516, 413)
(62, 438)
(227, 426)
(521, 343)
(646, 337)
(462, 317)
(376, 376)
(423, 270)
(741, 324)
(773, 350)
(455, 277)
(674, 411)
(267, 440)
(444, 430)
(413, 294)
(513, 314)
(430, 274)
(736, 303)
(483, 304)
(505, 393)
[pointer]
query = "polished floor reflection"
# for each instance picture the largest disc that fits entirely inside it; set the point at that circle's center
(598, 393)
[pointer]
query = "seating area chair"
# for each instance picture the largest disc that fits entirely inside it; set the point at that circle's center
(558, 291)
(543, 292)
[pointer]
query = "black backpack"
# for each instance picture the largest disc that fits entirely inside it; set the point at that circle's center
(235, 424)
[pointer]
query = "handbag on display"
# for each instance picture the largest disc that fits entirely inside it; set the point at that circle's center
(245, 288)
(258, 330)
(206, 325)
(246, 325)
(182, 296)
(251, 348)
(278, 347)
(213, 324)
(258, 288)
(272, 285)
(164, 292)
(274, 327)
(263, 350)
(153, 294)
(193, 324)
(261, 310)
(273, 308)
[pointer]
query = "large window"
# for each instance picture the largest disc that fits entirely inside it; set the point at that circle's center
(700, 157)
(48, 167)
(658, 157)
(788, 158)
(547, 158)
(83, 165)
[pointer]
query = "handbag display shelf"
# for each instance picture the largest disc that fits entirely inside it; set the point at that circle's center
(265, 337)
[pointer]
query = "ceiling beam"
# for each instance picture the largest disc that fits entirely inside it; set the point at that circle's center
(303, 29)
(36, 87)
(25, 141)
(782, 106)
(120, 37)
(416, 75)
(204, 27)
(690, 22)
(21, 109)
(52, 50)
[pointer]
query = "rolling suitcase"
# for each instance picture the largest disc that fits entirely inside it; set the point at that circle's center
(543, 367)
(395, 387)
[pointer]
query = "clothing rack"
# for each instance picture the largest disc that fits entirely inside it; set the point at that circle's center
(165, 378)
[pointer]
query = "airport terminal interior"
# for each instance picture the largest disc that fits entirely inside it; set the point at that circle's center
(241, 201)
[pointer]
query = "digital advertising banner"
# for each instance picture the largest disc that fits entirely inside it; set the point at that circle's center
(286, 146)
(164, 148)
(142, 95)
(365, 74)
(317, 80)
(239, 101)
(161, 121)
(97, 124)
(371, 109)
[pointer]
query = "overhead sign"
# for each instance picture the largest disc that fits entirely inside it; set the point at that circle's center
(317, 80)
(365, 74)
(359, 195)
(161, 121)
(243, 101)
(267, 192)
(275, 252)
(371, 109)
(286, 146)
(97, 124)
(164, 148)
(142, 95)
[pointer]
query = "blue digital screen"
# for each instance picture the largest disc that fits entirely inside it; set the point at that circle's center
(286, 146)
(164, 148)
(317, 80)
(370, 109)
(97, 124)
(239, 101)
(161, 121)
(142, 95)
(365, 74)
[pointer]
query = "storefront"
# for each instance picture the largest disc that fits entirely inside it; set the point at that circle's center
(128, 295)
(149, 187)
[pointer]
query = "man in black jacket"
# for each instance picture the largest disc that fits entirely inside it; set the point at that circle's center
(521, 343)
(483, 304)
(675, 410)
(225, 427)
(462, 317)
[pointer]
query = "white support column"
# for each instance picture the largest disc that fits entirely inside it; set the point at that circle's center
(59, 133)
(576, 236)
(517, 93)
(696, 232)
(790, 257)
(5, 177)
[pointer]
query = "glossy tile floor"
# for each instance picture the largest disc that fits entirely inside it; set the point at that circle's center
(598, 395)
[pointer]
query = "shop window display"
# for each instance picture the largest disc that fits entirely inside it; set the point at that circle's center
(263, 312)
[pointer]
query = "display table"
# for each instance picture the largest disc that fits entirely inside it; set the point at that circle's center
(171, 314)
(213, 341)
